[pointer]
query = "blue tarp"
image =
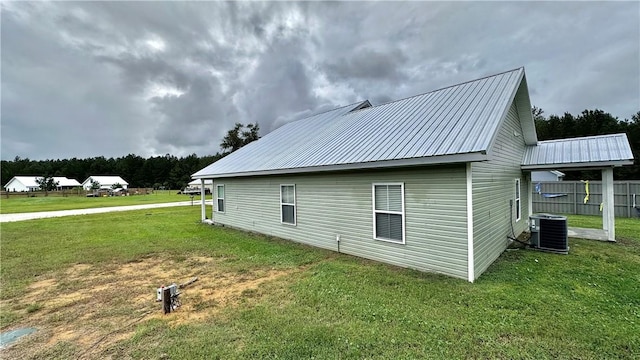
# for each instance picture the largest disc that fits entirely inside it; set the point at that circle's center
(553, 195)
(8, 337)
(538, 189)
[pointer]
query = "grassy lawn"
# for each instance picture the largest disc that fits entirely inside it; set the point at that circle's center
(626, 229)
(88, 284)
(51, 203)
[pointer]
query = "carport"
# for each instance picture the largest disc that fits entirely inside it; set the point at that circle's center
(602, 152)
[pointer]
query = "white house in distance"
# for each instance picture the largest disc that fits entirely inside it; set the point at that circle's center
(550, 175)
(65, 183)
(196, 184)
(22, 183)
(436, 182)
(28, 183)
(106, 182)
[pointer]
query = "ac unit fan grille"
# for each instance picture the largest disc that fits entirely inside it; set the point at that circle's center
(553, 234)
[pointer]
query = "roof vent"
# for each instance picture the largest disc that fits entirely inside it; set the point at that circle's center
(363, 105)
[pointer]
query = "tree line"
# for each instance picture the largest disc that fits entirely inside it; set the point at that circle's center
(171, 172)
(168, 171)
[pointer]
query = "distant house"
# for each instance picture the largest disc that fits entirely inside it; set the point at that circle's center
(22, 183)
(106, 182)
(436, 182)
(28, 183)
(550, 175)
(65, 183)
(195, 184)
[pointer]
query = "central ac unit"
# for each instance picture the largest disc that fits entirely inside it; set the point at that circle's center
(549, 233)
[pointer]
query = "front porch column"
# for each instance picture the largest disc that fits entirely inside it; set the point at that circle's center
(203, 215)
(608, 209)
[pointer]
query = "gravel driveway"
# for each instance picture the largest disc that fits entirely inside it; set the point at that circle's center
(59, 213)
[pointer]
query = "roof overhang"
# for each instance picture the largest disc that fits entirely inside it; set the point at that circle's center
(431, 160)
(601, 151)
(578, 166)
(520, 97)
(523, 105)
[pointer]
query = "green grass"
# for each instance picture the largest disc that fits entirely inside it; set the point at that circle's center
(51, 203)
(33, 308)
(530, 305)
(626, 228)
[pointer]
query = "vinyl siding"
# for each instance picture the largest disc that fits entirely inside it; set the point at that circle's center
(493, 184)
(15, 185)
(341, 204)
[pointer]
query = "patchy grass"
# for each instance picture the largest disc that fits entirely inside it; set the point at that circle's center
(260, 297)
(31, 308)
(25, 204)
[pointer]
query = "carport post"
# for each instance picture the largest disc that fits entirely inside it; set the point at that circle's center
(203, 215)
(530, 197)
(608, 210)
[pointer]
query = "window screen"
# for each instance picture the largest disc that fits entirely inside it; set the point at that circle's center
(517, 202)
(388, 212)
(220, 198)
(288, 204)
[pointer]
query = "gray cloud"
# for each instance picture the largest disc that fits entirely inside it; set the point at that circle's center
(111, 78)
(369, 64)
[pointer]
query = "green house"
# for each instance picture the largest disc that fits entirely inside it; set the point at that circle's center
(435, 182)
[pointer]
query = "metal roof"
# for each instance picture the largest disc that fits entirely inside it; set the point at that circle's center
(106, 180)
(197, 182)
(64, 181)
(454, 124)
(27, 181)
(590, 151)
(30, 181)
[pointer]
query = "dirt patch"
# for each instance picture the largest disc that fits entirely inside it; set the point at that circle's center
(93, 307)
(78, 269)
(38, 288)
(201, 302)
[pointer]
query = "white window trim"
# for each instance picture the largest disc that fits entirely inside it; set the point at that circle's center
(374, 211)
(221, 198)
(295, 207)
(517, 199)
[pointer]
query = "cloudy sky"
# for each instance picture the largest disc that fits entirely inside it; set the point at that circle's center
(84, 79)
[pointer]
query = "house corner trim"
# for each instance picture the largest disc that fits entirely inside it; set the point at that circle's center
(470, 259)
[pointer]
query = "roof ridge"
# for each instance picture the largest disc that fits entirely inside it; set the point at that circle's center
(413, 96)
(449, 86)
(582, 138)
(334, 109)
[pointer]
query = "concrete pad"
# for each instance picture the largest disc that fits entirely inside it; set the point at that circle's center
(589, 234)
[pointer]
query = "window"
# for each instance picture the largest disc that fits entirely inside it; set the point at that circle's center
(388, 212)
(517, 202)
(288, 204)
(220, 198)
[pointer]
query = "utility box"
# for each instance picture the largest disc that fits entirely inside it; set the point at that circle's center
(549, 233)
(173, 289)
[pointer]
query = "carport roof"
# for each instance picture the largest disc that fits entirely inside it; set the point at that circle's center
(583, 152)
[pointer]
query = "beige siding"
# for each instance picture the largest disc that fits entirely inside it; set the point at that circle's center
(493, 188)
(341, 204)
